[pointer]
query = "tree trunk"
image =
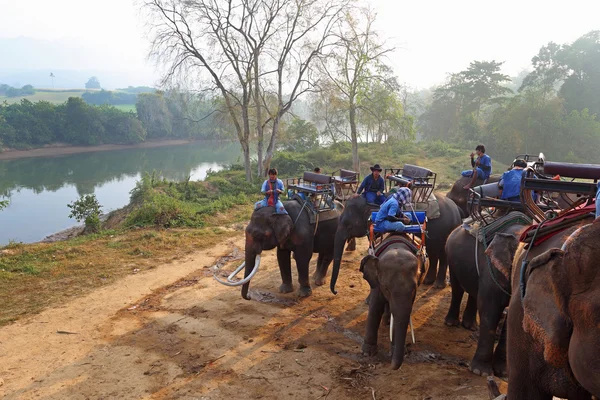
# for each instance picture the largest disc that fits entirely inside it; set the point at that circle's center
(259, 127)
(271, 148)
(353, 135)
(245, 143)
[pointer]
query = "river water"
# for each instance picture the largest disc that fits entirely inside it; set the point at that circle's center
(39, 189)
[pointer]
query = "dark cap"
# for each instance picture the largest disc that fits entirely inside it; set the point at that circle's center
(376, 167)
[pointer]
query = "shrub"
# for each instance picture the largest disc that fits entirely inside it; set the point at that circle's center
(87, 208)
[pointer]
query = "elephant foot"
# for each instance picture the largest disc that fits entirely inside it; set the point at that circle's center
(469, 324)
(369, 349)
(351, 246)
(481, 368)
(451, 321)
(440, 284)
(304, 291)
(319, 280)
(428, 280)
(286, 288)
(500, 367)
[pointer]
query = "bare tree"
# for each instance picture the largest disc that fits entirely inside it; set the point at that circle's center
(351, 68)
(306, 32)
(241, 47)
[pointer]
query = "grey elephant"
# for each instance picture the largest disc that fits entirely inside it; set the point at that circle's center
(393, 277)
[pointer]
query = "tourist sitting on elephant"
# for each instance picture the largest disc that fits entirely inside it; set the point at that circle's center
(272, 188)
(373, 186)
(482, 166)
(386, 219)
(510, 183)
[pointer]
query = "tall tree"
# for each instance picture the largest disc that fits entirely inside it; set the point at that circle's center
(92, 83)
(238, 46)
(352, 65)
(52, 77)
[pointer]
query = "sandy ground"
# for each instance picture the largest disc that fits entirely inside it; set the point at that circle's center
(61, 150)
(175, 333)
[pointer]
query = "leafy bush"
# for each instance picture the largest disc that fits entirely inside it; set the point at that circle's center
(87, 209)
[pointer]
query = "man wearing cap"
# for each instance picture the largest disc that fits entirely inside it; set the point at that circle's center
(373, 186)
(510, 183)
(387, 219)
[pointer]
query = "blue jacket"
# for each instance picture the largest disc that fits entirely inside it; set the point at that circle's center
(511, 184)
(390, 207)
(369, 184)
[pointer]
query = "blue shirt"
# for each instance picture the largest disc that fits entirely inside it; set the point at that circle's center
(485, 163)
(392, 204)
(369, 184)
(273, 197)
(511, 184)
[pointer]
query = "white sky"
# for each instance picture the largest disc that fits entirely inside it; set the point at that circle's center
(432, 38)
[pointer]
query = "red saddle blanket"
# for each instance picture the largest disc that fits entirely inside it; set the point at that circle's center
(546, 231)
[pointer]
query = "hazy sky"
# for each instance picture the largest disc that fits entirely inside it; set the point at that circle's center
(432, 38)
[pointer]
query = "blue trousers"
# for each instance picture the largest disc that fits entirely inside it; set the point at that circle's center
(279, 209)
(469, 173)
(388, 226)
(597, 203)
(373, 198)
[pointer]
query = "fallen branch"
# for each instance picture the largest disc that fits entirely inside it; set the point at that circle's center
(67, 333)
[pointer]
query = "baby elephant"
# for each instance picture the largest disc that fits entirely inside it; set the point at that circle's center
(393, 277)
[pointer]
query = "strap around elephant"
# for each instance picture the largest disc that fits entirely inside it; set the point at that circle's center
(394, 239)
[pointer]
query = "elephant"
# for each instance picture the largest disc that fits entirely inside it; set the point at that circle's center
(354, 223)
(290, 233)
(487, 293)
(553, 317)
(460, 196)
(393, 278)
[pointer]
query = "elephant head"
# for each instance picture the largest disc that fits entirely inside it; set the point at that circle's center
(353, 223)
(460, 196)
(561, 301)
(562, 305)
(265, 231)
(396, 275)
(501, 253)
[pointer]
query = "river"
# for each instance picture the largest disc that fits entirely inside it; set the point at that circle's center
(39, 189)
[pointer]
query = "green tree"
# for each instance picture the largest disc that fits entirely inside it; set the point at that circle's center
(153, 112)
(92, 83)
(300, 136)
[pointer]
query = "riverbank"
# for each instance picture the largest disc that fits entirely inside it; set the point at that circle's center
(54, 150)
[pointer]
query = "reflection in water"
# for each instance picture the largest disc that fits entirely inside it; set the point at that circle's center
(39, 189)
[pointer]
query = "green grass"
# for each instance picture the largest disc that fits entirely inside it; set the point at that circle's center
(52, 96)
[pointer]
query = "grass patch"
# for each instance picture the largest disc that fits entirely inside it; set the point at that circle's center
(36, 276)
(52, 96)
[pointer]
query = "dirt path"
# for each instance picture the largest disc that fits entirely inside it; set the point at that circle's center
(174, 333)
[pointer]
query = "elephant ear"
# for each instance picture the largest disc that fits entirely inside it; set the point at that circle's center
(282, 227)
(544, 315)
(501, 252)
(369, 267)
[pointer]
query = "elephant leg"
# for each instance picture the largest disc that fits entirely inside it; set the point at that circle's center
(432, 272)
(490, 312)
(452, 318)
(500, 367)
(285, 268)
(376, 308)
(440, 282)
(302, 260)
(387, 314)
(469, 320)
(322, 266)
(351, 245)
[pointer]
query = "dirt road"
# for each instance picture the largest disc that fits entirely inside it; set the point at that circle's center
(174, 333)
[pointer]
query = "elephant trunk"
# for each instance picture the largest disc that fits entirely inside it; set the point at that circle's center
(401, 320)
(250, 261)
(338, 249)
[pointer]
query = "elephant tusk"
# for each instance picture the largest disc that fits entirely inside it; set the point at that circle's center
(412, 330)
(231, 282)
